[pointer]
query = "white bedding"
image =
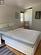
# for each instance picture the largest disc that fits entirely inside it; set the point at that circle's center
(24, 35)
(17, 39)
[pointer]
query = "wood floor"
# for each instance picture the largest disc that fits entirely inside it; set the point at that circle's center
(38, 51)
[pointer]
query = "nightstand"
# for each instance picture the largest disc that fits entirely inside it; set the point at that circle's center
(2, 42)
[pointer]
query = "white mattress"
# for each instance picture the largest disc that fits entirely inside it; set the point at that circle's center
(23, 35)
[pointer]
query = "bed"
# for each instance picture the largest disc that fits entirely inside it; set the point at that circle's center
(23, 40)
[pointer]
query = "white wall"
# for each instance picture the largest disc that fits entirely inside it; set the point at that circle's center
(7, 16)
(36, 23)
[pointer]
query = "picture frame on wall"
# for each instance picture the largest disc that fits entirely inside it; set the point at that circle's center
(38, 15)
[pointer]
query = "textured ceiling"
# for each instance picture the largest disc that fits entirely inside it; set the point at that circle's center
(22, 3)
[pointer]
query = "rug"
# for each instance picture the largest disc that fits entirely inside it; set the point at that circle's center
(6, 51)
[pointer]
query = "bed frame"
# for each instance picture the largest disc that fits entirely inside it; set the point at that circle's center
(21, 46)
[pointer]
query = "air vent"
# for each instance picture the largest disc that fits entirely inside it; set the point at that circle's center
(1, 2)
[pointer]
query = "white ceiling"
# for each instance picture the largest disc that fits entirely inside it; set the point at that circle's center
(22, 3)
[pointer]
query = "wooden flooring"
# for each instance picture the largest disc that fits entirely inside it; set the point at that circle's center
(38, 51)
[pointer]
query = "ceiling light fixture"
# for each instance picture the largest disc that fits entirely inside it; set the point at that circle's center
(1, 2)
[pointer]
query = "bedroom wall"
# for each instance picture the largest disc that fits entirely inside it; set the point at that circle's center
(7, 16)
(5, 13)
(36, 23)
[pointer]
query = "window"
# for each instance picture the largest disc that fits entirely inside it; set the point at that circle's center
(21, 17)
(28, 15)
